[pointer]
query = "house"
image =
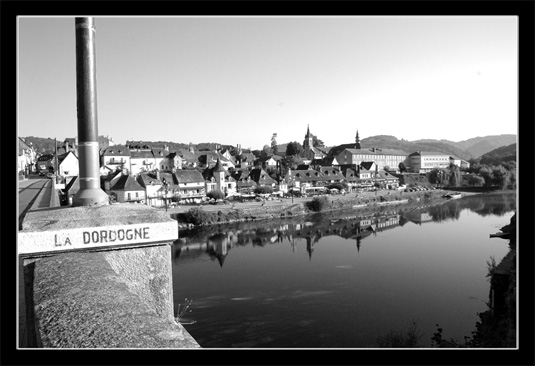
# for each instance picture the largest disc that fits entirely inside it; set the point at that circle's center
(68, 164)
(359, 178)
(171, 162)
(425, 161)
(245, 160)
(463, 164)
(26, 158)
(387, 180)
(306, 178)
(219, 178)
(71, 144)
(116, 157)
(127, 190)
(190, 184)
(332, 175)
(160, 154)
(141, 161)
(266, 162)
(209, 158)
(261, 178)
(244, 183)
(152, 183)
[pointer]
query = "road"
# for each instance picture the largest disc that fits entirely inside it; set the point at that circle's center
(28, 191)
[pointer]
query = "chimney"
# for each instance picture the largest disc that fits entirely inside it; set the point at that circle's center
(158, 174)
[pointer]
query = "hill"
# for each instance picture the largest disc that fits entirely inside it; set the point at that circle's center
(391, 142)
(499, 155)
(477, 146)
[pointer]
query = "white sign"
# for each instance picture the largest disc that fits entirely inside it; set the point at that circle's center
(91, 237)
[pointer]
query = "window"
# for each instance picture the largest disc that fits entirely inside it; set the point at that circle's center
(128, 194)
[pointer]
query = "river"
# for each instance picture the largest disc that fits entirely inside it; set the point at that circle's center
(338, 280)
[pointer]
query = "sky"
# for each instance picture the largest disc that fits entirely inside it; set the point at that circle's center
(239, 80)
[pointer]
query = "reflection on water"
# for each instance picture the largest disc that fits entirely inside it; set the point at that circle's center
(418, 260)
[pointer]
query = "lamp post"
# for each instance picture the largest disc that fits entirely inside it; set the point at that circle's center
(90, 193)
(165, 186)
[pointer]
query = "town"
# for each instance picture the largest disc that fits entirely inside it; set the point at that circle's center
(149, 173)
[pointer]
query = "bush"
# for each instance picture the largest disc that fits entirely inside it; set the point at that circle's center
(263, 190)
(338, 186)
(216, 194)
(197, 216)
(317, 204)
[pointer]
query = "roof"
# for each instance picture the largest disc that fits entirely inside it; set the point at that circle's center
(149, 178)
(376, 151)
(141, 154)
(332, 172)
(116, 150)
(261, 177)
(145, 145)
(188, 176)
(367, 165)
(421, 153)
(307, 175)
(218, 167)
(385, 175)
(208, 174)
(127, 183)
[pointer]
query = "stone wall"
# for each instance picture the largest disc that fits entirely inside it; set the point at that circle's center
(106, 299)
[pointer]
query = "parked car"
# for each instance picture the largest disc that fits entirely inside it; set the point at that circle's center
(50, 175)
(41, 174)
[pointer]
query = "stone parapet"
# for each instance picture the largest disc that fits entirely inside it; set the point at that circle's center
(80, 301)
(100, 277)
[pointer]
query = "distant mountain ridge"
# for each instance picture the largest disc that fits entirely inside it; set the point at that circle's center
(477, 146)
(500, 155)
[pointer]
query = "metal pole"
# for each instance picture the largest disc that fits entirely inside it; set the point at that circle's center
(90, 193)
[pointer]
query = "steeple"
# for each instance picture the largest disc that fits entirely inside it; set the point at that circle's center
(357, 140)
(309, 140)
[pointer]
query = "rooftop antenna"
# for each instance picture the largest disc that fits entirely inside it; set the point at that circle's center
(90, 193)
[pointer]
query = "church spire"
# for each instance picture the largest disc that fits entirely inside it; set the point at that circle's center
(357, 140)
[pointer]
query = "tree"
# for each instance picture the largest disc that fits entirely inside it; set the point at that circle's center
(386, 168)
(266, 151)
(402, 167)
(316, 142)
(274, 148)
(454, 178)
(500, 177)
(475, 180)
(294, 148)
(485, 173)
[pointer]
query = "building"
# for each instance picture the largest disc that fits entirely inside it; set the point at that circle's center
(116, 157)
(171, 162)
(141, 161)
(309, 151)
(127, 190)
(383, 158)
(190, 184)
(68, 164)
(26, 158)
(219, 178)
(425, 161)
(152, 184)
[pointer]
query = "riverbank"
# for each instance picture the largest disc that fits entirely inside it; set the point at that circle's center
(236, 211)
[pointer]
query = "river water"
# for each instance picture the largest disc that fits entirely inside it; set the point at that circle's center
(339, 280)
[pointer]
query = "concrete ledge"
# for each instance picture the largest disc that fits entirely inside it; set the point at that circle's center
(80, 301)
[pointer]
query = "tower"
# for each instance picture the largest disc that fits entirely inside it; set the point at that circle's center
(219, 175)
(309, 141)
(357, 141)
